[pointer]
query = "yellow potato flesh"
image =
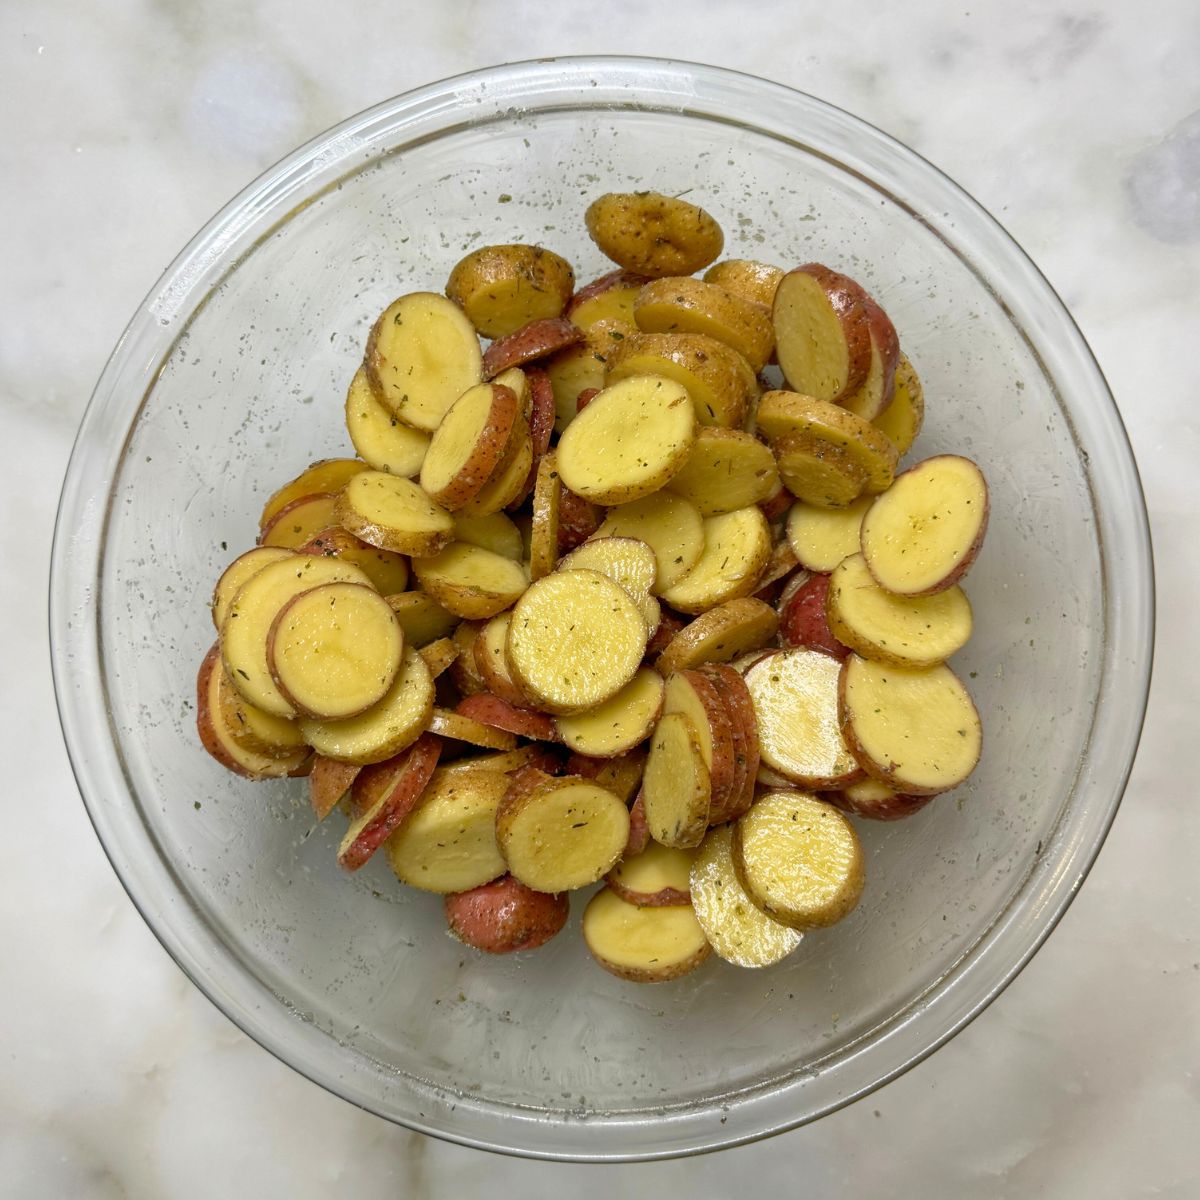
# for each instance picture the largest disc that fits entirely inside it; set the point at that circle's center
(737, 547)
(727, 469)
(822, 537)
(643, 944)
(656, 869)
(618, 724)
(676, 787)
(670, 525)
(379, 438)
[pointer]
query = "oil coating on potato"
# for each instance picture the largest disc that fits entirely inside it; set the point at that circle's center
(503, 288)
(653, 234)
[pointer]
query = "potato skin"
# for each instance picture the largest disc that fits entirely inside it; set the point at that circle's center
(803, 620)
(505, 916)
(541, 279)
(652, 234)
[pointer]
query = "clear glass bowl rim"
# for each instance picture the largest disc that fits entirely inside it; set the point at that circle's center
(605, 83)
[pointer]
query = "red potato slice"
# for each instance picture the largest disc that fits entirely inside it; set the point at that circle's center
(547, 514)
(609, 298)
(505, 916)
(297, 522)
(379, 438)
(463, 727)
(578, 519)
(585, 398)
(541, 428)
(538, 339)
(471, 582)
(876, 801)
(495, 532)
(822, 537)
(491, 661)
(727, 469)
(500, 714)
(722, 634)
(388, 572)
(335, 650)
(503, 288)
(736, 928)
(561, 834)
(795, 695)
(922, 535)
(508, 480)
(695, 696)
(737, 548)
(901, 421)
(918, 731)
(776, 504)
(573, 370)
(747, 278)
(626, 561)
(912, 631)
(658, 876)
(324, 477)
(464, 672)
(676, 790)
(329, 783)
(421, 355)
(620, 723)
(670, 525)
(639, 830)
(799, 860)
(576, 638)
(874, 394)
(422, 618)
(468, 444)
(803, 620)
(439, 656)
(621, 775)
(669, 624)
(218, 738)
(508, 762)
(253, 729)
(399, 796)
(393, 514)
(646, 426)
(739, 707)
(642, 944)
(237, 573)
(779, 568)
(819, 472)
(822, 333)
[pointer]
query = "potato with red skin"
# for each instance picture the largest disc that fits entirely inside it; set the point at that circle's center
(541, 426)
(639, 831)
(802, 619)
(578, 519)
(505, 916)
(609, 298)
(328, 782)
(499, 714)
(585, 398)
(529, 343)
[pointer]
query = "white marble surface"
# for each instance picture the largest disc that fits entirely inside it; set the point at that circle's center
(125, 123)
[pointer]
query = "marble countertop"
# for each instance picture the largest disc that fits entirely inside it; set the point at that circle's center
(125, 125)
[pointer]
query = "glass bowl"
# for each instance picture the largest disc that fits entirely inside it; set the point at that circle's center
(230, 378)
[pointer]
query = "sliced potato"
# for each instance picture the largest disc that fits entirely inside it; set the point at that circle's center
(659, 875)
(822, 336)
(795, 694)
(511, 718)
(439, 656)
(422, 354)
(465, 728)
(247, 625)
(620, 723)
(505, 916)
(737, 548)
(922, 535)
(505, 762)
(255, 730)
(822, 537)
(683, 305)
(539, 338)
(626, 561)
(904, 416)
(469, 443)
(580, 367)
(876, 801)
(393, 514)
(561, 834)
(448, 843)
(384, 729)
(629, 441)
(494, 532)
(780, 566)
(784, 413)
(543, 537)
(508, 480)
(696, 696)
(503, 288)
(335, 650)
(388, 572)
(676, 788)
(238, 571)
(326, 476)
(578, 519)
(653, 234)
(621, 775)
(719, 380)
(464, 671)
(296, 523)
(470, 581)
(736, 928)
(906, 631)
(918, 731)
(639, 831)
(874, 394)
(818, 472)
(329, 783)
(576, 639)
(670, 525)
(720, 635)
(421, 617)
(491, 660)
(726, 469)
(541, 429)
(643, 945)
(799, 860)
(609, 298)
(739, 707)
(744, 277)
(379, 437)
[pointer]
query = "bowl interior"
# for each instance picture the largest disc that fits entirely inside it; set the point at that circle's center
(353, 978)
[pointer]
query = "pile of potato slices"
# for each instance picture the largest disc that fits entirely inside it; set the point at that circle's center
(635, 596)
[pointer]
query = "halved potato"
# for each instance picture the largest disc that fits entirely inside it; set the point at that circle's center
(739, 707)
(620, 723)
(643, 945)
(576, 638)
(439, 656)
(799, 860)
(653, 234)
(421, 617)
(448, 843)
(683, 305)
(721, 634)
(294, 524)
(462, 727)
(876, 801)
(737, 547)
(726, 469)
(917, 731)
(495, 532)
(609, 298)
(874, 394)
(379, 437)
(795, 694)
(670, 525)
(238, 571)
(329, 783)
(327, 475)
(387, 571)
(539, 338)
(469, 443)
(505, 916)
(393, 514)
(659, 875)
(507, 482)
(503, 288)
(904, 416)
(543, 537)
(922, 535)
(698, 698)
(470, 581)
(822, 336)
(747, 278)
(629, 441)
(577, 368)
(822, 537)
(626, 561)
(422, 354)
(736, 928)
(676, 785)
(561, 834)
(510, 718)
(819, 472)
